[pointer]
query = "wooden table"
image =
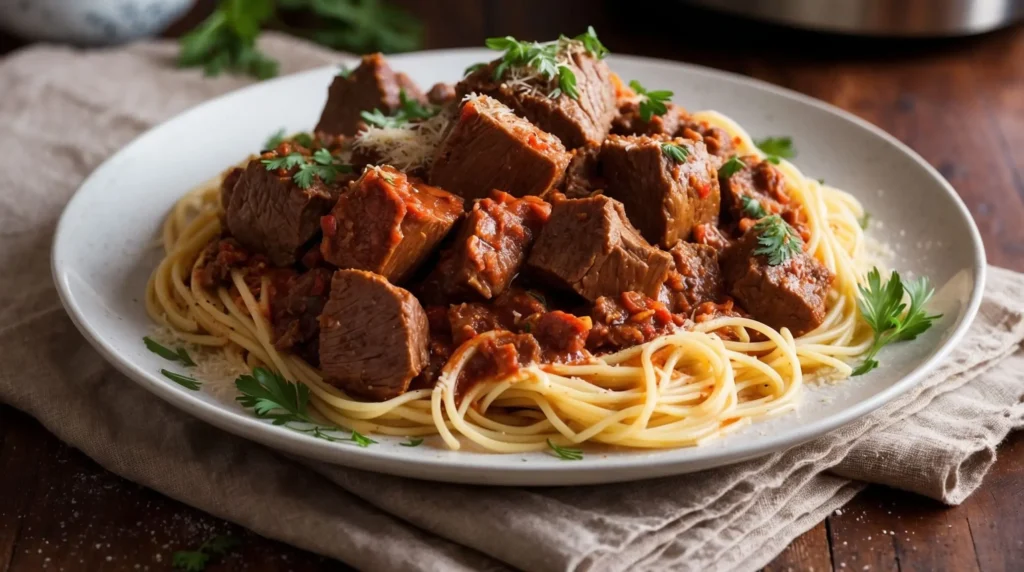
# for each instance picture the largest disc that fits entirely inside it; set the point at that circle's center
(959, 103)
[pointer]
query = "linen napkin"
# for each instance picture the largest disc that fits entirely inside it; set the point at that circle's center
(63, 111)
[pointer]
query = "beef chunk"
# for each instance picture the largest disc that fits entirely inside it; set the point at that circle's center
(372, 85)
(220, 257)
(663, 197)
(489, 147)
(695, 279)
(583, 176)
(439, 349)
(227, 184)
(759, 181)
(629, 319)
(710, 235)
(789, 295)
(717, 140)
(630, 122)
(576, 122)
(500, 356)
(511, 311)
(590, 247)
(491, 245)
(373, 336)
(387, 223)
(270, 213)
(441, 94)
(562, 336)
(295, 308)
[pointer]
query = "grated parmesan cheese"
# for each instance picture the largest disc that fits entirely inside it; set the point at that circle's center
(407, 147)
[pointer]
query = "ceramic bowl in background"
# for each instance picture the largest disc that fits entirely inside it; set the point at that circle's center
(89, 22)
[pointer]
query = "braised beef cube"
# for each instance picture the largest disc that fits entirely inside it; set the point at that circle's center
(629, 121)
(788, 295)
(489, 147)
(372, 85)
(719, 143)
(667, 187)
(227, 184)
(562, 336)
(499, 356)
(695, 279)
(491, 245)
(628, 319)
(387, 223)
(441, 93)
(759, 181)
(295, 308)
(576, 122)
(709, 234)
(373, 336)
(511, 311)
(589, 246)
(219, 258)
(270, 213)
(583, 176)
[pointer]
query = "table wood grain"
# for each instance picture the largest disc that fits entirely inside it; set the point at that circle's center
(958, 102)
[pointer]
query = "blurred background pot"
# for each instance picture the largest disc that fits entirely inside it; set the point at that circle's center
(89, 22)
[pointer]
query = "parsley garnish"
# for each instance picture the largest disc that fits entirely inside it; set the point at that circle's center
(776, 147)
(321, 164)
(651, 102)
(271, 396)
(344, 71)
(546, 59)
(412, 442)
(565, 453)
(677, 153)
(883, 309)
(864, 220)
(730, 167)
(474, 68)
(226, 40)
(182, 380)
(779, 242)
(179, 355)
(752, 207)
(196, 560)
(408, 110)
(274, 140)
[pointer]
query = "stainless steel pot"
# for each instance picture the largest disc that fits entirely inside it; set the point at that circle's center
(881, 17)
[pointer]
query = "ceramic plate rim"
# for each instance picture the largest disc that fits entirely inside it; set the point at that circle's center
(479, 471)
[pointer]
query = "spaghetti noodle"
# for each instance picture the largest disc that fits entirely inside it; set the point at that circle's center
(677, 390)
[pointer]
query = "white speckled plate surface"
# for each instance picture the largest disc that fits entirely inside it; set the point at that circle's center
(102, 257)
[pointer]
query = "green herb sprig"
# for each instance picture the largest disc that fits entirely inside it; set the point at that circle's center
(677, 153)
(412, 442)
(565, 453)
(776, 147)
(284, 403)
(196, 560)
(279, 136)
(731, 167)
(178, 355)
(545, 59)
(752, 207)
(408, 110)
(320, 164)
(882, 306)
(651, 102)
(226, 40)
(778, 241)
(185, 381)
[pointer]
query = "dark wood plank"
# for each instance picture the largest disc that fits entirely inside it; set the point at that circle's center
(995, 513)
(22, 453)
(808, 553)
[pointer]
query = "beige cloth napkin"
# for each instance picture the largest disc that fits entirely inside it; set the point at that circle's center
(62, 112)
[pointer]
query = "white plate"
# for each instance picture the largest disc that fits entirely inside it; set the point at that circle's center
(102, 257)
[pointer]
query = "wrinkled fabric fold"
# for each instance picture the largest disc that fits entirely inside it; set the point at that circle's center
(69, 110)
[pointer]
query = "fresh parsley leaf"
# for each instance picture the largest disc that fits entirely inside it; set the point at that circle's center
(547, 59)
(408, 110)
(344, 71)
(179, 355)
(752, 207)
(677, 153)
(321, 164)
(473, 68)
(567, 82)
(272, 397)
(274, 140)
(883, 309)
(304, 176)
(196, 560)
(182, 380)
(731, 167)
(772, 159)
(593, 46)
(412, 442)
(226, 40)
(778, 241)
(304, 139)
(651, 102)
(378, 118)
(565, 453)
(360, 26)
(864, 220)
(777, 147)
